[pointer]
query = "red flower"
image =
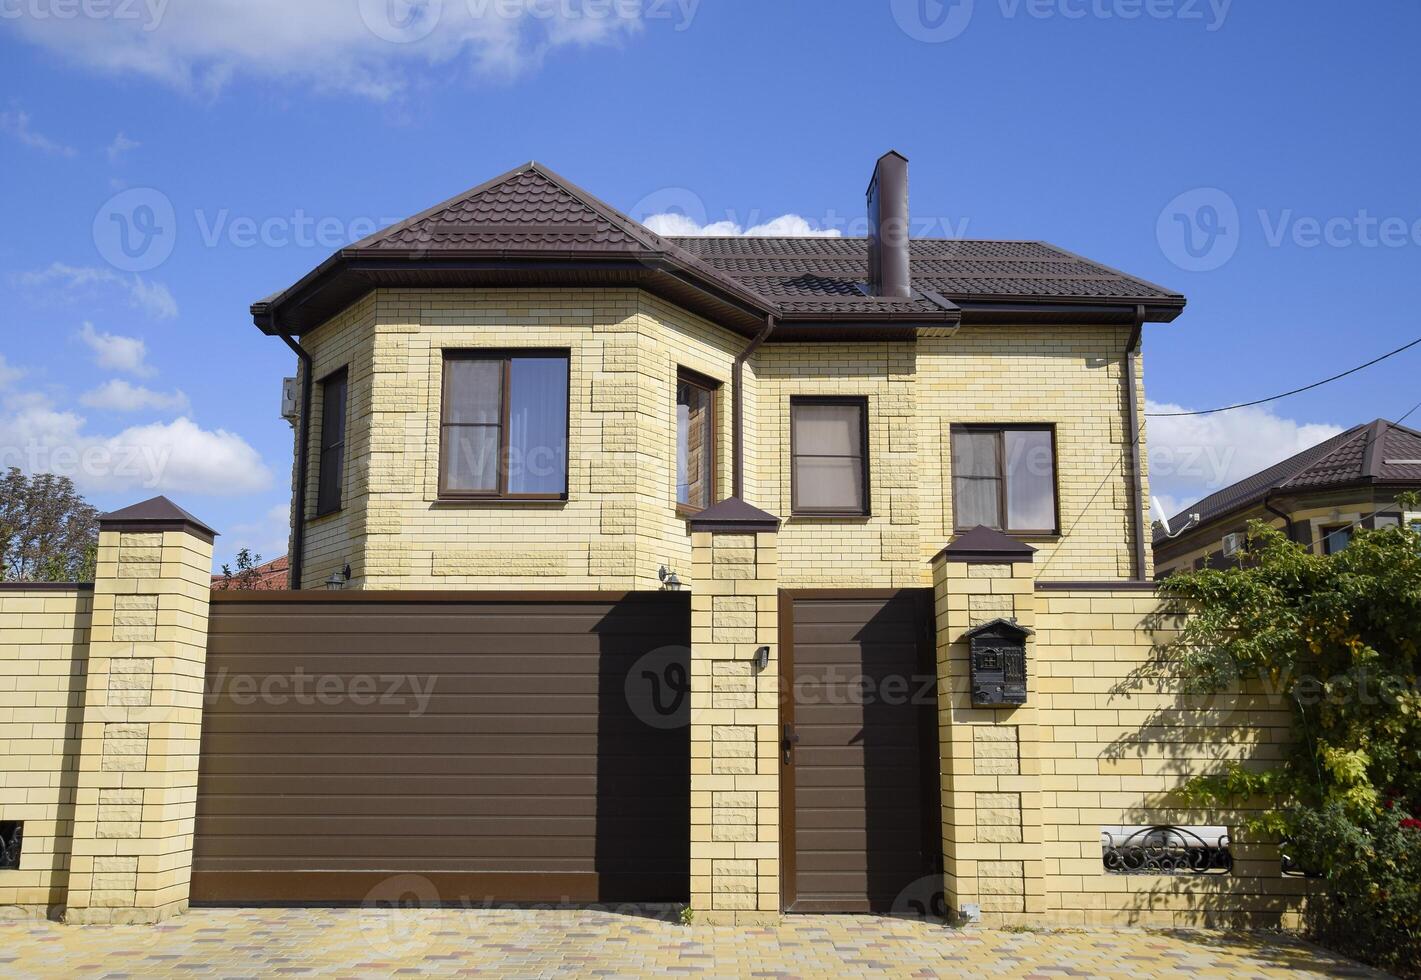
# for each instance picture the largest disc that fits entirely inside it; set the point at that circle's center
(1411, 823)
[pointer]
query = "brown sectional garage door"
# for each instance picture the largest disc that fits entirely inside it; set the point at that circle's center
(468, 750)
(861, 800)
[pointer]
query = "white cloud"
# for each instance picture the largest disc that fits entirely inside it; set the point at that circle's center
(114, 352)
(16, 122)
(366, 47)
(121, 144)
(65, 281)
(176, 456)
(1193, 456)
(118, 395)
(785, 226)
(269, 535)
(8, 375)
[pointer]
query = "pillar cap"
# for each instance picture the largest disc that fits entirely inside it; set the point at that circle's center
(734, 516)
(986, 546)
(158, 514)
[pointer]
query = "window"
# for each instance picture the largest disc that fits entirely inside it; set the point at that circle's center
(1004, 477)
(829, 456)
(331, 474)
(1334, 539)
(695, 442)
(504, 425)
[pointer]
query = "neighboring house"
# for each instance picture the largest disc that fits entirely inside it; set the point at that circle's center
(759, 574)
(1320, 497)
(269, 576)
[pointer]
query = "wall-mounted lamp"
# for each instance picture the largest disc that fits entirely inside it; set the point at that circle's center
(762, 658)
(338, 579)
(670, 581)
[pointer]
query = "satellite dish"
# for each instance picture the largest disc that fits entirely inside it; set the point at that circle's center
(1159, 511)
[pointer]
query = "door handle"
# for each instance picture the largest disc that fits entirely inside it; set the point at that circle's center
(790, 740)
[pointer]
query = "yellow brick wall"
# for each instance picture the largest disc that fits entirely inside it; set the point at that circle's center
(44, 638)
(348, 341)
(735, 760)
(1069, 376)
(619, 524)
(1114, 741)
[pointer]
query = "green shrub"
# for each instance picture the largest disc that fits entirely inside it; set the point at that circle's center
(1337, 638)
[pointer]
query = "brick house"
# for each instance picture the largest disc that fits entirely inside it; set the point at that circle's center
(761, 574)
(1320, 497)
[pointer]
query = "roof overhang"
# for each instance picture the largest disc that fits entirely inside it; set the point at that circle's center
(350, 274)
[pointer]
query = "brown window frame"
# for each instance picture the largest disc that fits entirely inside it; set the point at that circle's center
(712, 388)
(1328, 530)
(859, 401)
(1000, 429)
(325, 506)
(506, 356)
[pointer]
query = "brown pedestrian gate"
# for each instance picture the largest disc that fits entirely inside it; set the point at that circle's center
(859, 789)
(454, 748)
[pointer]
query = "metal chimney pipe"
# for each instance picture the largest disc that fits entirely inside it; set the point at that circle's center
(888, 230)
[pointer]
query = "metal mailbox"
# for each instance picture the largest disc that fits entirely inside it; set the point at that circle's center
(998, 663)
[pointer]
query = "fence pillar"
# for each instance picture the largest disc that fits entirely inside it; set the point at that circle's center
(137, 787)
(992, 845)
(735, 738)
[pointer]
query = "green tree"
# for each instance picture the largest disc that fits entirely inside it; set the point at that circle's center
(246, 577)
(48, 531)
(1337, 638)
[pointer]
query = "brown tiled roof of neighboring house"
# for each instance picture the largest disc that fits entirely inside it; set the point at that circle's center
(268, 577)
(532, 227)
(1379, 453)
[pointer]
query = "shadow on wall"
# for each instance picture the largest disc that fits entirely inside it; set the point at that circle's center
(643, 837)
(1183, 735)
(69, 776)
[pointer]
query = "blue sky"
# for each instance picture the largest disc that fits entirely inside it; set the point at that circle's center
(1261, 158)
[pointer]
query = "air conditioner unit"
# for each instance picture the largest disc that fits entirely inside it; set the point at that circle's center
(290, 400)
(1233, 543)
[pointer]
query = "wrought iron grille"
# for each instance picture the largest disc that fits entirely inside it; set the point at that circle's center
(1165, 851)
(11, 835)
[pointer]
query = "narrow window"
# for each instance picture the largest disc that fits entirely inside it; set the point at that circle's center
(695, 442)
(1004, 477)
(829, 456)
(1334, 539)
(331, 480)
(504, 425)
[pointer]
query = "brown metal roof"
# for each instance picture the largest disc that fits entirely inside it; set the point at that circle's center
(531, 227)
(826, 274)
(156, 513)
(1377, 453)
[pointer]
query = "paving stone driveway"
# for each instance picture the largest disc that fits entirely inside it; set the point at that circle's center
(580, 943)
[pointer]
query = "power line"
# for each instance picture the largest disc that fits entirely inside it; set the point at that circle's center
(1286, 394)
